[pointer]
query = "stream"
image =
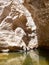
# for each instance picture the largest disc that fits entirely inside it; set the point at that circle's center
(36, 57)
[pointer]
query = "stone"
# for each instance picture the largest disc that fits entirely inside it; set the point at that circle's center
(40, 15)
(5, 11)
(17, 28)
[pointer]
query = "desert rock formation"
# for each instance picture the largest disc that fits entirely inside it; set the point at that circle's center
(17, 27)
(40, 8)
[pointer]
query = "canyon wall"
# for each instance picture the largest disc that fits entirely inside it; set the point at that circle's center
(40, 13)
(17, 27)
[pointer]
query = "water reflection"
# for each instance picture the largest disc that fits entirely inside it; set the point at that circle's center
(44, 57)
(31, 58)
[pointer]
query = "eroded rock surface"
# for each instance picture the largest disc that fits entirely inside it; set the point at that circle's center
(17, 27)
(40, 8)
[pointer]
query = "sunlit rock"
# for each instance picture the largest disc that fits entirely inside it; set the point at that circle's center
(6, 23)
(17, 27)
(5, 10)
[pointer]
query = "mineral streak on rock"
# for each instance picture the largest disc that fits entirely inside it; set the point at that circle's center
(17, 27)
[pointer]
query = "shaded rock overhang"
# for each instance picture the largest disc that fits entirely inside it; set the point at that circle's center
(40, 13)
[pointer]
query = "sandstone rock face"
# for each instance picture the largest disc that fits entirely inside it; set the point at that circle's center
(40, 8)
(17, 27)
(28, 17)
(5, 10)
